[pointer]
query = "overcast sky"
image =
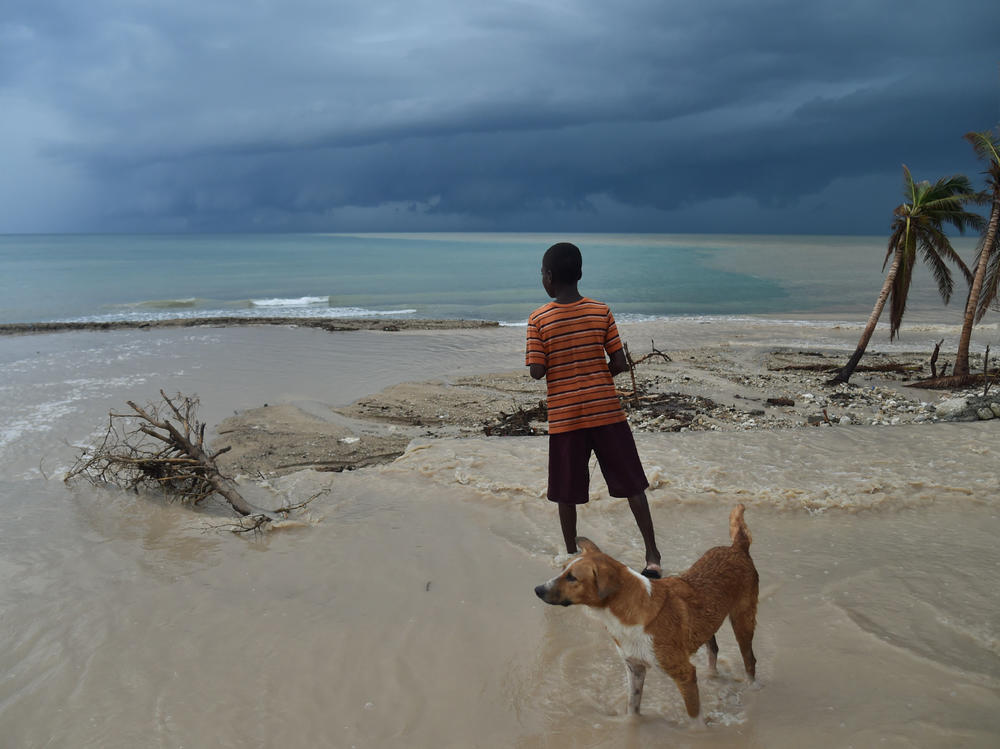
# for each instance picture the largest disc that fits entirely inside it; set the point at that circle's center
(735, 116)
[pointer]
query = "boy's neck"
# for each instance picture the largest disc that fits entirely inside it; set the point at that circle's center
(567, 294)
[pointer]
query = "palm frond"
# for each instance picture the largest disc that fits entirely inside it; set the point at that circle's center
(987, 148)
(909, 188)
(935, 240)
(895, 239)
(942, 274)
(942, 203)
(950, 212)
(988, 296)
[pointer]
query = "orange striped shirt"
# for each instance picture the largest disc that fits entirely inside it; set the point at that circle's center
(570, 340)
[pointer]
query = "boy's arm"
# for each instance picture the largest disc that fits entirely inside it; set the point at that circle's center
(534, 355)
(618, 363)
(614, 347)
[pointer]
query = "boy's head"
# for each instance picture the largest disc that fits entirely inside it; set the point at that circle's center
(564, 262)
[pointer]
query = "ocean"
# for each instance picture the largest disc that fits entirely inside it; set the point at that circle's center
(472, 276)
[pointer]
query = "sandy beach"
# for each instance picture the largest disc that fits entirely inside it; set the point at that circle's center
(398, 609)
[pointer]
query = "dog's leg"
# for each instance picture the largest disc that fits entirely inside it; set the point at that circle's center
(743, 622)
(686, 679)
(713, 656)
(636, 679)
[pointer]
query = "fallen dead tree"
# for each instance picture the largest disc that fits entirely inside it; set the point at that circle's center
(890, 367)
(162, 447)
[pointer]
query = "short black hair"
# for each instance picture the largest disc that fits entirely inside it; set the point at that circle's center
(565, 262)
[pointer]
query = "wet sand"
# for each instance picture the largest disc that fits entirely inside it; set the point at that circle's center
(400, 611)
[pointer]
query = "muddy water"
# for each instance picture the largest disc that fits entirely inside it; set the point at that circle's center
(878, 618)
(401, 612)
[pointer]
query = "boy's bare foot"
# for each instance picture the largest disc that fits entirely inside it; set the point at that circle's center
(652, 570)
(562, 559)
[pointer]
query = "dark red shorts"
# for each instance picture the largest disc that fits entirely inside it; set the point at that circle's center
(569, 459)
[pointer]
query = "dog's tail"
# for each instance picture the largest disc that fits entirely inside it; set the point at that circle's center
(738, 530)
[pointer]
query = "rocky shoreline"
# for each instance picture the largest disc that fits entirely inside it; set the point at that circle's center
(332, 324)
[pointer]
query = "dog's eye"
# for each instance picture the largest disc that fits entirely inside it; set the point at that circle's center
(570, 578)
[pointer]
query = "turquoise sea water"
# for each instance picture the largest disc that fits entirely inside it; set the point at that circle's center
(480, 276)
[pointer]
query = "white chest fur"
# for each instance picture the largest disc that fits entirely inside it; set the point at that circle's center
(633, 643)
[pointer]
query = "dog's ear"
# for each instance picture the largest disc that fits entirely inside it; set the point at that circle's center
(588, 546)
(606, 582)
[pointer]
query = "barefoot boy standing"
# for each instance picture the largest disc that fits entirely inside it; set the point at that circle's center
(567, 341)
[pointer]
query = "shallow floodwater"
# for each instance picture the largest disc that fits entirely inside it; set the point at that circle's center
(401, 612)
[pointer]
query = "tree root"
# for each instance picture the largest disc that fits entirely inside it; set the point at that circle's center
(955, 382)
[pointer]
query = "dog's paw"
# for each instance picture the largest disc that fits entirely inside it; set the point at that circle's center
(698, 724)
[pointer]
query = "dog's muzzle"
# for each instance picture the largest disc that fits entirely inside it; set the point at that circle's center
(544, 591)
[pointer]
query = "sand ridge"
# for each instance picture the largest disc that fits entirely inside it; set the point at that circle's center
(709, 388)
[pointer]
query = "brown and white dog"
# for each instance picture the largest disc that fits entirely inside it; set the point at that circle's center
(666, 621)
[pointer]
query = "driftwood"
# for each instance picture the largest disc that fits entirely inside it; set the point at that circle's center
(631, 372)
(654, 352)
(162, 446)
(780, 402)
(679, 407)
(934, 356)
(518, 422)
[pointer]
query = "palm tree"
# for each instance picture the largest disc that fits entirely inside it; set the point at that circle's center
(918, 225)
(987, 278)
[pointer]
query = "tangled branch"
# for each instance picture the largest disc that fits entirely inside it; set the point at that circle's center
(654, 352)
(162, 446)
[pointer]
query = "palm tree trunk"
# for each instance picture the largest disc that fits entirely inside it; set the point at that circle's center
(845, 374)
(972, 303)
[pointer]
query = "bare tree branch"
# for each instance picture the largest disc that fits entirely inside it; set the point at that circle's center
(161, 445)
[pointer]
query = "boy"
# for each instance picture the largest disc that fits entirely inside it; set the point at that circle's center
(567, 339)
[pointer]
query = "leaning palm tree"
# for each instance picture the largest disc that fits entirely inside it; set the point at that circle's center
(918, 225)
(984, 286)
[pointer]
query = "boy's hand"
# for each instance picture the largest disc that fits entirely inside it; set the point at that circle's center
(537, 371)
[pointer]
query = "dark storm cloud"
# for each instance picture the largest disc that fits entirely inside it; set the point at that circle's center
(670, 116)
